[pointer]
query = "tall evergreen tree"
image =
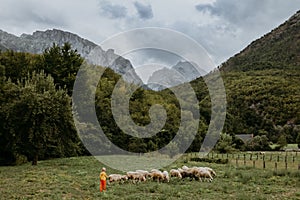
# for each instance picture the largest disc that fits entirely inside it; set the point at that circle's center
(63, 64)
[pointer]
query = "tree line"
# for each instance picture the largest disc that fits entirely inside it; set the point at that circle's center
(37, 122)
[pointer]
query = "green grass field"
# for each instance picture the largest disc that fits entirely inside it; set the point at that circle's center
(77, 178)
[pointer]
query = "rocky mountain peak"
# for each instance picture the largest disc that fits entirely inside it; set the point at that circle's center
(182, 72)
(40, 40)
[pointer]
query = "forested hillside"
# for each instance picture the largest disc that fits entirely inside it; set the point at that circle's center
(263, 83)
(278, 49)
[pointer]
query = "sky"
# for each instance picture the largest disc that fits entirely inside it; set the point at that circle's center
(222, 27)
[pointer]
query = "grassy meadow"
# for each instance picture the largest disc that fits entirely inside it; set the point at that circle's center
(77, 178)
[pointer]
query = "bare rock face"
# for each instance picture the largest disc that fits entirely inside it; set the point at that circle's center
(40, 40)
(187, 70)
(180, 73)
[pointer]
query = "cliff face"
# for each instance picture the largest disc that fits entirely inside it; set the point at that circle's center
(40, 40)
(180, 73)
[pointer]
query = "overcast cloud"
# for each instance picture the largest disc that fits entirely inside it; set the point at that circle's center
(144, 11)
(222, 27)
(112, 11)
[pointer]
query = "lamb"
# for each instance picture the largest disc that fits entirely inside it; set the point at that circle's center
(175, 173)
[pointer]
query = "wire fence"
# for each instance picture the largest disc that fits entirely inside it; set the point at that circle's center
(263, 160)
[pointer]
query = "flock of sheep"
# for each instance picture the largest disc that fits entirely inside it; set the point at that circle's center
(197, 173)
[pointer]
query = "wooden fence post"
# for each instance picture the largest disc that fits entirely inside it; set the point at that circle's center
(253, 163)
(285, 158)
(286, 165)
(275, 166)
(277, 158)
(251, 156)
(264, 164)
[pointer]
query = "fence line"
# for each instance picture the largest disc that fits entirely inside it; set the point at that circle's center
(275, 160)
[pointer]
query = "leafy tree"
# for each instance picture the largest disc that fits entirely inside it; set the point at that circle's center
(258, 143)
(282, 140)
(225, 144)
(18, 64)
(8, 147)
(40, 119)
(63, 64)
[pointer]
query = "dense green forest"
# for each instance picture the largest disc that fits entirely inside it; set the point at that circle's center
(262, 89)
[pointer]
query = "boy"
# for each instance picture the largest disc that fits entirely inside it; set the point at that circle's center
(103, 177)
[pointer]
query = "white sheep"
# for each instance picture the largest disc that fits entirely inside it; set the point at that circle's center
(136, 177)
(175, 173)
(159, 176)
(117, 178)
(144, 173)
(212, 172)
(166, 176)
(205, 174)
(187, 172)
(184, 167)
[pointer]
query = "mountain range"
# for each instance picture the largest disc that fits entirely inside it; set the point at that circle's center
(182, 72)
(41, 40)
